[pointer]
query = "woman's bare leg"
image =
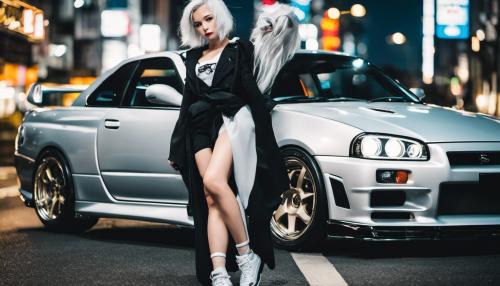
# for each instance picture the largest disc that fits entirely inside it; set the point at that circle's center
(216, 228)
(216, 181)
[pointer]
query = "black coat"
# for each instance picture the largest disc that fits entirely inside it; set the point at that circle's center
(233, 74)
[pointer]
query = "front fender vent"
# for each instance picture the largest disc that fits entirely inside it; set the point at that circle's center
(339, 193)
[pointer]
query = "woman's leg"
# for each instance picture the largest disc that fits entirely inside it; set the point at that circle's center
(215, 180)
(216, 229)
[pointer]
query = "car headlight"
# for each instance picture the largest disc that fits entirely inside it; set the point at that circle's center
(388, 147)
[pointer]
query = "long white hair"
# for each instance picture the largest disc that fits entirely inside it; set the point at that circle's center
(222, 16)
(276, 39)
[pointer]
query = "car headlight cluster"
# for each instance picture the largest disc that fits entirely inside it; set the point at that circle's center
(386, 147)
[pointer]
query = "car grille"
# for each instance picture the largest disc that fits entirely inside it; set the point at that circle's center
(474, 158)
(470, 197)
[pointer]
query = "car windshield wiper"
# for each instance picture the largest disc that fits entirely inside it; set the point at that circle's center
(388, 99)
(300, 99)
(345, 99)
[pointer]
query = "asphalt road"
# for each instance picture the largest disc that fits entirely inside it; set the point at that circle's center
(123, 252)
(114, 252)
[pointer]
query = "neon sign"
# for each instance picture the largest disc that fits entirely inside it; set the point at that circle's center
(452, 19)
(22, 18)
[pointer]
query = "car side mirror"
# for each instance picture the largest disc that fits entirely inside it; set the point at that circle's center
(35, 94)
(163, 94)
(419, 92)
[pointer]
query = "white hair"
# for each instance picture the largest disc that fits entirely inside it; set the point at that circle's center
(222, 17)
(276, 39)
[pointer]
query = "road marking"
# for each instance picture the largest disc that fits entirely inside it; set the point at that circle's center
(318, 270)
(8, 192)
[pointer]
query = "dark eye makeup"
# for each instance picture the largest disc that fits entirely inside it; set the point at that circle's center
(206, 18)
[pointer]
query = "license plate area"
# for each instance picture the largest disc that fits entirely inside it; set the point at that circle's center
(459, 198)
(489, 182)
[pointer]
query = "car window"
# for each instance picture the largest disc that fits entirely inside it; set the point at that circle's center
(151, 71)
(349, 83)
(58, 97)
(110, 92)
(330, 78)
(288, 84)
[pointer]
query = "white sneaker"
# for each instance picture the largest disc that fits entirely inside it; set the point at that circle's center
(251, 266)
(220, 277)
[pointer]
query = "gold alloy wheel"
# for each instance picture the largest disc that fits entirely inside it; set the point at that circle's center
(298, 204)
(49, 185)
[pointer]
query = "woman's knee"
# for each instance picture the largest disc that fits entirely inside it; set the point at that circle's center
(210, 200)
(215, 185)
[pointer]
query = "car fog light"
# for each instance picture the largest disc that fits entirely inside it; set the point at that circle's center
(386, 177)
(392, 176)
(414, 150)
(394, 148)
(371, 146)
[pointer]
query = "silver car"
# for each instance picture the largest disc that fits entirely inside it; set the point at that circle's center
(366, 158)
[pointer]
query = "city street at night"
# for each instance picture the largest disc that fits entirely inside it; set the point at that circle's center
(204, 142)
(124, 252)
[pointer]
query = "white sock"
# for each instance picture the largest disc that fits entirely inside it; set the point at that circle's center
(220, 269)
(246, 244)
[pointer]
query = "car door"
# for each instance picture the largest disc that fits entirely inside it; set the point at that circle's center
(134, 139)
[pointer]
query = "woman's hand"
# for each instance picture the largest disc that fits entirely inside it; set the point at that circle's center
(174, 165)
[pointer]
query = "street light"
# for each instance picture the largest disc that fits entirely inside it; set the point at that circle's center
(330, 25)
(358, 10)
(78, 3)
(333, 13)
(475, 44)
(397, 38)
(480, 35)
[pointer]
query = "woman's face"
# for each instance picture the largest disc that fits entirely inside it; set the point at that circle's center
(204, 22)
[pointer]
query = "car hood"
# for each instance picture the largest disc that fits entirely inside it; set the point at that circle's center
(429, 123)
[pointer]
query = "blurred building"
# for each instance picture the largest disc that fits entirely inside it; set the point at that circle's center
(466, 55)
(22, 31)
(484, 57)
(91, 36)
(88, 37)
(22, 28)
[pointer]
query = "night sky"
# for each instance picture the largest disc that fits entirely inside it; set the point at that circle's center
(385, 17)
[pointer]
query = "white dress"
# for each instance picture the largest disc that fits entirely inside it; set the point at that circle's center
(241, 132)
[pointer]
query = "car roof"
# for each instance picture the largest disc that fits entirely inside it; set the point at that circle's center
(299, 52)
(81, 100)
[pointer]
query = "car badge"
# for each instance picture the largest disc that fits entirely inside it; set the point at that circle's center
(484, 159)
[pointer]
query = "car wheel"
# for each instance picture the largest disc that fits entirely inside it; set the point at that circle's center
(299, 221)
(54, 197)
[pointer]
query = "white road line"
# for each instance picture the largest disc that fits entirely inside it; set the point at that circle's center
(7, 192)
(318, 270)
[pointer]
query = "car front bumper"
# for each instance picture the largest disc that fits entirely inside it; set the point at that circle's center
(24, 167)
(437, 196)
(340, 229)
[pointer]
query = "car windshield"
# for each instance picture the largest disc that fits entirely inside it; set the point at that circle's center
(313, 78)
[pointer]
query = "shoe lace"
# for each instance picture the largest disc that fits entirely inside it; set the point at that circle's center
(244, 267)
(220, 279)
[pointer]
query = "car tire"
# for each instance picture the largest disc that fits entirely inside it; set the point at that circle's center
(54, 197)
(299, 222)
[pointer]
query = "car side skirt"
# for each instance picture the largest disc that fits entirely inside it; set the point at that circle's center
(153, 212)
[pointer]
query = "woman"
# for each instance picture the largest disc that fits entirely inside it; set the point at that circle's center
(224, 146)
